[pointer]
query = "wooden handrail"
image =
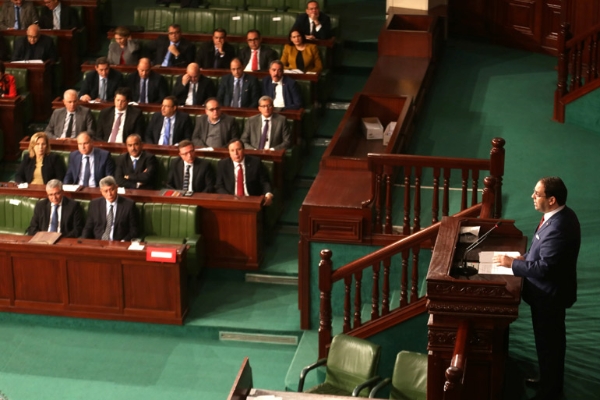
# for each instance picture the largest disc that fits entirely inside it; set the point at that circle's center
(455, 373)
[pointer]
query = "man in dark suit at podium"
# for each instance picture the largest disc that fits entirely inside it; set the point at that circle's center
(550, 284)
(35, 46)
(57, 213)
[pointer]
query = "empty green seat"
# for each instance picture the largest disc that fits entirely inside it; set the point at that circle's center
(235, 22)
(226, 4)
(16, 213)
(162, 174)
(153, 19)
(274, 23)
(409, 379)
(195, 20)
(265, 5)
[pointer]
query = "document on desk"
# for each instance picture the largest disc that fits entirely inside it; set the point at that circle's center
(486, 266)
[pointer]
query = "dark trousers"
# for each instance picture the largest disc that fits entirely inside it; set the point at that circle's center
(551, 344)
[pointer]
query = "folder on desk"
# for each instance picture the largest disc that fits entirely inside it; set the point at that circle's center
(45, 237)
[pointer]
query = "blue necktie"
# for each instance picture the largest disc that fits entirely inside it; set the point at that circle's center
(167, 136)
(54, 219)
(143, 92)
(134, 163)
(17, 17)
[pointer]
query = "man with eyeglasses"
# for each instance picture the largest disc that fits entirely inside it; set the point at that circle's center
(550, 284)
(17, 14)
(266, 131)
(257, 56)
(57, 15)
(214, 129)
(238, 89)
(193, 88)
(101, 84)
(35, 46)
(216, 54)
(173, 50)
(169, 126)
(314, 24)
(189, 173)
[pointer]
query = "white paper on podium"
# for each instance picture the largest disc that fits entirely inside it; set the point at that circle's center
(486, 266)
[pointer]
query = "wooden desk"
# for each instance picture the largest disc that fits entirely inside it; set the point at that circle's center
(39, 82)
(231, 227)
(11, 124)
(91, 279)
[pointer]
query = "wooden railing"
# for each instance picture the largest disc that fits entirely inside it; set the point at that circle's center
(578, 67)
(387, 167)
(455, 374)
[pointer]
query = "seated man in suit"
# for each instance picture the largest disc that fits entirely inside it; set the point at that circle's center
(58, 15)
(214, 129)
(88, 165)
(189, 173)
(173, 50)
(266, 131)
(101, 84)
(257, 56)
(72, 119)
(123, 50)
(111, 217)
(192, 88)
(147, 86)
(35, 46)
(137, 168)
(169, 126)
(313, 24)
(238, 89)
(216, 55)
(11, 9)
(117, 122)
(282, 89)
(57, 213)
(242, 175)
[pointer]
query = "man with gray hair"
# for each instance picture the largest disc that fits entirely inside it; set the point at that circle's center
(72, 119)
(56, 213)
(111, 217)
(266, 131)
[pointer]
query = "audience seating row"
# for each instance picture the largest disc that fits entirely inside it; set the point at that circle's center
(256, 5)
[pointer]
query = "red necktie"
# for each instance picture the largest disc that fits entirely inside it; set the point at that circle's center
(254, 61)
(239, 190)
(541, 223)
(122, 59)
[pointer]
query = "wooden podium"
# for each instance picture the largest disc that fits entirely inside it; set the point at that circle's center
(469, 315)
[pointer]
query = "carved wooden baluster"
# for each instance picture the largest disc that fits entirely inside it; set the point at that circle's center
(594, 57)
(497, 171)
(463, 189)
(591, 64)
(406, 221)
(414, 287)
(375, 292)
(377, 194)
(435, 204)
(563, 72)
(446, 199)
(389, 201)
(474, 187)
(404, 279)
(325, 271)
(347, 306)
(417, 208)
(357, 299)
(578, 65)
(487, 198)
(385, 301)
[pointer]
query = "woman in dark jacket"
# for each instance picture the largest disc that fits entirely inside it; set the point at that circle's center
(40, 166)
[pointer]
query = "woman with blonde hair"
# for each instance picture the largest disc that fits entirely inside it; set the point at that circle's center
(40, 165)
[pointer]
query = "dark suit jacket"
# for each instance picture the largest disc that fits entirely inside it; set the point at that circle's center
(550, 264)
(250, 91)
(68, 18)
(71, 218)
(157, 87)
(303, 25)
(53, 168)
(281, 137)
(187, 52)
(145, 171)
(228, 129)
(257, 179)
(91, 84)
(265, 56)
(7, 15)
(103, 166)
(205, 89)
(182, 129)
(205, 57)
(43, 49)
(125, 222)
(134, 123)
(84, 122)
(203, 179)
(291, 92)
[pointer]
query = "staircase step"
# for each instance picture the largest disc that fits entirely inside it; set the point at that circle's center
(272, 279)
(258, 338)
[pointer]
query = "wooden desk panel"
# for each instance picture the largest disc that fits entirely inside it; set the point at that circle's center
(91, 279)
(39, 82)
(11, 124)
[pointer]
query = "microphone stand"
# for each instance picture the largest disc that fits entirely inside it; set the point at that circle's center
(462, 268)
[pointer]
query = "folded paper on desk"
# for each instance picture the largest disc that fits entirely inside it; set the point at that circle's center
(486, 266)
(71, 188)
(45, 237)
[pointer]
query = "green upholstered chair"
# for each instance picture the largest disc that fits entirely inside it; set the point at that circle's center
(176, 224)
(162, 174)
(235, 22)
(195, 20)
(351, 368)
(274, 23)
(153, 19)
(21, 76)
(265, 5)
(85, 207)
(226, 4)
(16, 213)
(409, 379)
(299, 6)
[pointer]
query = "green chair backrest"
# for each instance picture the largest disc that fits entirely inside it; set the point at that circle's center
(85, 206)
(195, 20)
(20, 75)
(300, 5)
(306, 93)
(274, 23)
(227, 4)
(153, 19)
(235, 22)
(409, 381)
(10, 45)
(162, 174)
(170, 220)
(265, 5)
(16, 213)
